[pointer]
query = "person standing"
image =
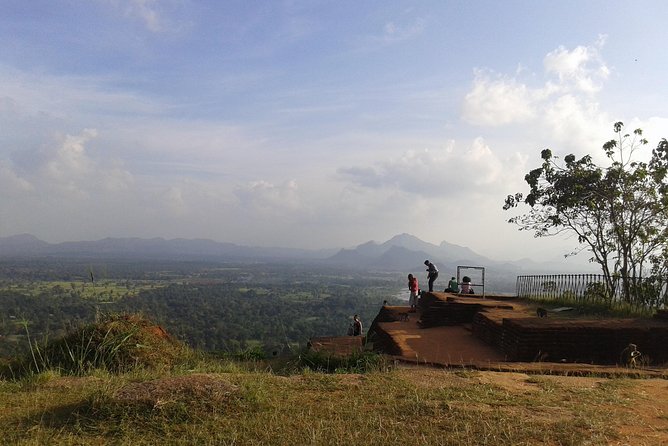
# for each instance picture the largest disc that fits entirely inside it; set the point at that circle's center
(413, 288)
(432, 274)
(357, 326)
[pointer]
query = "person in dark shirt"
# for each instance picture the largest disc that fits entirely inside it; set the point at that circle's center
(357, 326)
(432, 274)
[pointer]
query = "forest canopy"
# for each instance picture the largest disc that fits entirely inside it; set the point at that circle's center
(214, 308)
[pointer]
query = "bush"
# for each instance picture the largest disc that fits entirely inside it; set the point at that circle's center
(363, 362)
(117, 343)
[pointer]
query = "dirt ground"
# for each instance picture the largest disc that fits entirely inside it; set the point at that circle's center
(646, 408)
(445, 345)
(651, 410)
(440, 345)
(643, 408)
(456, 345)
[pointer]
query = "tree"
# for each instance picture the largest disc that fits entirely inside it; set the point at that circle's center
(619, 212)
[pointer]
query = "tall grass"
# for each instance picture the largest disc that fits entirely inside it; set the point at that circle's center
(116, 343)
(362, 362)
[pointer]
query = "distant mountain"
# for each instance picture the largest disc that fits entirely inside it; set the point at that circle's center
(401, 258)
(155, 248)
(405, 251)
(22, 244)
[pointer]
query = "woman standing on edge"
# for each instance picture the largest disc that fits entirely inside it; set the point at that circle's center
(357, 326)
(413, 288)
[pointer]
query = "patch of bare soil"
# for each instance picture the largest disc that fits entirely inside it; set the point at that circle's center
(337, 345)
(638, 418)
(643, 408)
(647, 414)
(440, 345)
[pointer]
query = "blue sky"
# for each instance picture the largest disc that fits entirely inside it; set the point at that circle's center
(310, 123)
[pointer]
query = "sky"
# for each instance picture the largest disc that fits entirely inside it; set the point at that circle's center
(308, 123)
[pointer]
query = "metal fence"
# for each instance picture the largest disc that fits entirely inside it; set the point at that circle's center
(647, 294)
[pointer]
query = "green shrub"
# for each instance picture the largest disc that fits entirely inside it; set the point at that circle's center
(362, 362)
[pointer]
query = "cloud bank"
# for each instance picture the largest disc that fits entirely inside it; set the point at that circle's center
(280, 126)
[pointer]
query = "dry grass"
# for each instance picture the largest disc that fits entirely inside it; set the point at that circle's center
(116, 343)
(129, 384)
(404, 406)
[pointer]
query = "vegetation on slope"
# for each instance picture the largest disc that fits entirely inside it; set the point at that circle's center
(251, 407)
(215, 309)
(198, 399)
(115, 343)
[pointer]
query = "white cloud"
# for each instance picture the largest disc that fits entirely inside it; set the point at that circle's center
(577, 123)
(563, 110)
(11, 184)
(500, 101)
(145, 10)
(392, 32)
(154, 14)
(443, 172)
(70, 161)
(395, 32)
(64, 168)
(132, 127)
(266, 197)
(581, 68)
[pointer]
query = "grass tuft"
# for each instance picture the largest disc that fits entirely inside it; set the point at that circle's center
(363, 362)
(116, 343)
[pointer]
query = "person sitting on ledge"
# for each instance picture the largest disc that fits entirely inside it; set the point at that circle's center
(467, 288)
(453, 286)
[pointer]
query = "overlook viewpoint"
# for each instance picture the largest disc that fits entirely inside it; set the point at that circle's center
(506, 334)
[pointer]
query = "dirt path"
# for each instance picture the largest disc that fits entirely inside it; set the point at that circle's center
(440, 345)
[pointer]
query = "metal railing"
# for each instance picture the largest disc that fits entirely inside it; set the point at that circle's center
(650, 293)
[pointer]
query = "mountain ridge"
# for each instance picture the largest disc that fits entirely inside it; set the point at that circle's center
(402, 252)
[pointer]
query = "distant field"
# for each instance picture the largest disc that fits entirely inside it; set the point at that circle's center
(101, 290)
